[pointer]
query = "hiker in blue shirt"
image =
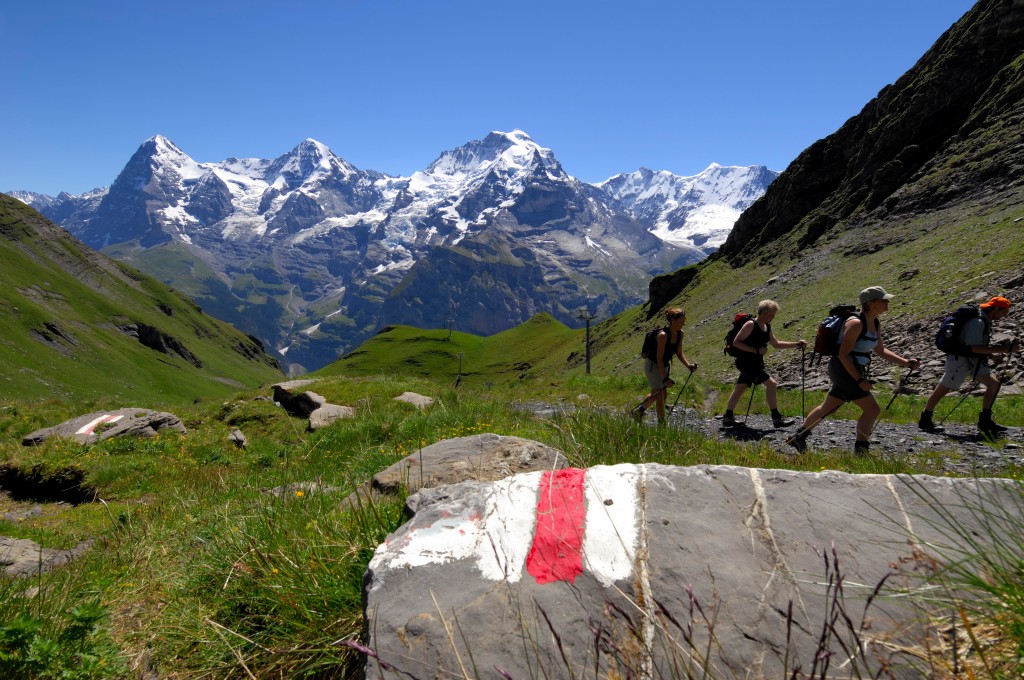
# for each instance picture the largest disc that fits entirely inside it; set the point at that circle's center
(974, 337)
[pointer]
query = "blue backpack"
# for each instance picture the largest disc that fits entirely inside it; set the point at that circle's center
(949, 337)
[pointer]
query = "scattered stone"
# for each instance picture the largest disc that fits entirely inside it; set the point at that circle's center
(93, 427)
(22, 515)
(417, 400)
(22, 557)
(327, 414)
(237, 438)
(297, 403)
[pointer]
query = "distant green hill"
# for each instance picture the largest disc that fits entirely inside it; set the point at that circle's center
(79, 325)
(532, 350)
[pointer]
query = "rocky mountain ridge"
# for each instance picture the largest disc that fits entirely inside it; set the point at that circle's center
(314, 255)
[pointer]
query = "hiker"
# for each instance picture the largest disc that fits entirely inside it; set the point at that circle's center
(973, 339)
(752, 341)
(659, 348)
(860, 337)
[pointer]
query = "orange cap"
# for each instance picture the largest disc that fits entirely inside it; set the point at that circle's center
(996, 303)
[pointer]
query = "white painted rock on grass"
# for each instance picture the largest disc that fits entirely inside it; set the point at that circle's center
(655, 571)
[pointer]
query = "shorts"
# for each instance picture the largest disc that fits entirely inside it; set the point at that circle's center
(751, 371)
(844, 385)
(959, 369)
(654, 375)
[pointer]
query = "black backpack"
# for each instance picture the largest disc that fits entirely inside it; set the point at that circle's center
(649, 350)
(948, 338)
(737, 323)
(826, 340)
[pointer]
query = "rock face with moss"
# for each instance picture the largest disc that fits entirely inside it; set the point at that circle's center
(653, 571)
(946, 131)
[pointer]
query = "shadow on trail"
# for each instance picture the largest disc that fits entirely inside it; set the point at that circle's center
(746, 433)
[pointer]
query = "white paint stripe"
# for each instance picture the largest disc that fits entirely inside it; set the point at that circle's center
(500, 538)
(611, 533)
(497, 540)
(91, 425)
(509, 522)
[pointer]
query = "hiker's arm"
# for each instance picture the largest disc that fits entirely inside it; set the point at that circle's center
(785, 344)
(890, 356)
(662, 341)
(999, 348)
(682, 357)
(740, 340)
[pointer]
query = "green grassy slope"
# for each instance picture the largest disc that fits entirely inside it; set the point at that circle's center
(64, 307)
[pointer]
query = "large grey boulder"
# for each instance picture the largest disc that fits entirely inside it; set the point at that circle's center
(100, 425)
(327, 414)
(481, 457)
(655, 571)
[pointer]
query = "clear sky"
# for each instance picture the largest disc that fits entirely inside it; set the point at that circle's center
(389, 84)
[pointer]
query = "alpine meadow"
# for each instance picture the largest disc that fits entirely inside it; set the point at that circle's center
(459, 488)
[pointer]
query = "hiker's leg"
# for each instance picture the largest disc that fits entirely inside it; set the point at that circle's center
(869, 414)
(661, 404)
(771, 393)
(936, 396)
(818, 412)
(991, 384)
(734, 398)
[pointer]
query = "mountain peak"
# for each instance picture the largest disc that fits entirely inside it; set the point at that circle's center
(511, 150)
(309, 160)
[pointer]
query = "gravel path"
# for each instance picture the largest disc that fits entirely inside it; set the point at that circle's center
(963, 451)
(962, 448)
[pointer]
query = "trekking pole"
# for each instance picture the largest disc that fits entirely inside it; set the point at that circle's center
(749, 401)
(974, 385)
(803, 375)
(681, 390)
(899, 388)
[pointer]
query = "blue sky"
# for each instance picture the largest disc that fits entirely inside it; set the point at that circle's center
(390, 84)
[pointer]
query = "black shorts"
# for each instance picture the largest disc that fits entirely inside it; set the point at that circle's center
(844, 385)
(751, 370)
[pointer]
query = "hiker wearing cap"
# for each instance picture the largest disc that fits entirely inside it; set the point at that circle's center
(860, 338)
(752, 341)
(971, 359)
(667, 343)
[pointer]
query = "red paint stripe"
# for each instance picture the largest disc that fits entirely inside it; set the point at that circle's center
(557, 550)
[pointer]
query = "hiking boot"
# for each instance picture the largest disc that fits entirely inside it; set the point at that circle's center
(799, 441)
(926, 424)
(728, 420)
(638, 413)
(861, 448)
(781, 420)
(989, 427)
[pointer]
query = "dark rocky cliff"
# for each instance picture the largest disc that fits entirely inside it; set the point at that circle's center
(942, 132)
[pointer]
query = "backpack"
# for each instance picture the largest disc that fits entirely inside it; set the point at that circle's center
(737, 323)
(948, 338)
(826, 340)
(649, 349)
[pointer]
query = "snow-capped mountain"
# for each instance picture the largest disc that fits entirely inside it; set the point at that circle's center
(696, 211)
(312, 254)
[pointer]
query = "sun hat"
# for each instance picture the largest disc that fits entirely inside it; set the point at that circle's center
(996, 303)
(873, 293)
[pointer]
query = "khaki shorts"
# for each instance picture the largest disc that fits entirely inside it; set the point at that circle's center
(959, 369)
(654, 375)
